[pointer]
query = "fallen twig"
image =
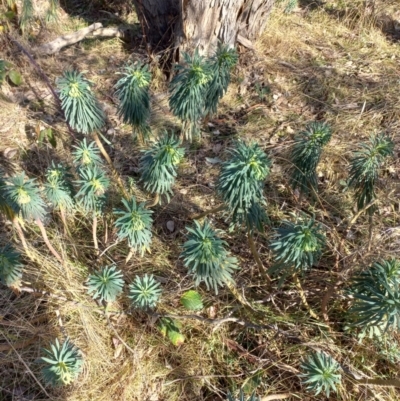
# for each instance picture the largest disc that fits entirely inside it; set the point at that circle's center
(95, 30)
(65, 40)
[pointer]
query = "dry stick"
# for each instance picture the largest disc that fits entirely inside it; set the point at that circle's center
(211, 211)
(303, 297)
(94, 233)
(339, 281)
(66, 40)
(257, 258)
(44, 77)
(47, 242)
(109, 161)
(94, 30)
(272, 397)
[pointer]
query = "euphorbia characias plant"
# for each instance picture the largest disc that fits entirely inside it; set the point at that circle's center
(158, 166)
(106, 284)
(81, 108)
(320, 373)
(188, 92)
(59, 190)
(241, 186)
(93, 184)
(221, 65)
(134, 223)
(375, 296)
(206, 257)
(296, 246)
(365, 167)
(25, 195)
(132, 91)
(144, 292)
(241, 182)
(86, 154)
(305, 156)
(62, 363)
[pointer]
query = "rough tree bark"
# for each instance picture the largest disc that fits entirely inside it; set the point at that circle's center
(189, 24)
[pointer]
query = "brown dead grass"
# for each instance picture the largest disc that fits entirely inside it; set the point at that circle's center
(333, 63)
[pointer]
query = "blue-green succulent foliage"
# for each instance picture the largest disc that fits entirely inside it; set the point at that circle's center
(221, 65)
(58, 187)
(365, 167)
(241, 184)
(82, 111)
(93, 184)
(305, 156)
(24, 196)
(106, 284)
(158, 165)
(134, 224)
(206, 257)
(320, 373)
(376, 298)
(63, 363)
(144, 292)
(10, 266)
(87, 155)
(296, 246)
(132, 91)
(188, 92)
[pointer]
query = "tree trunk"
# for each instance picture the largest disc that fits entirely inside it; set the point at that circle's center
(190, 24)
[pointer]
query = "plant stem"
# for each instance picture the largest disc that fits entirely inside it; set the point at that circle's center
(64, 220)
(114, 172)
(303, 297)
(94, 233)
(154, 201)
(21, 234)
(130, 254)
(102, 149)
(47, 242)
(211, 211)
(257, 258)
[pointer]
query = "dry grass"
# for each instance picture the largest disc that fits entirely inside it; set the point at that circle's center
(330, 62)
